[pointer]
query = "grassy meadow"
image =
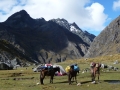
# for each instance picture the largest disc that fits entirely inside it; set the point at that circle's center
(25, 79)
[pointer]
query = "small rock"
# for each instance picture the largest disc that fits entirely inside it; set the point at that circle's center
(38, 83)
(79, 84)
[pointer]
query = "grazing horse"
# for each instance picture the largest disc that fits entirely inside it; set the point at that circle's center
(95, 70)
(72, 74)
(48, 72)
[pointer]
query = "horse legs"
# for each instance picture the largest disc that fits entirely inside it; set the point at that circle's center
(41, 78)
(51, 79)
(98, 77)
(75, 79)
(93, 76)
(69, 78)
(41, 81)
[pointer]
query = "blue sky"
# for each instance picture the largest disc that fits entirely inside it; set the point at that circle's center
(90, 15)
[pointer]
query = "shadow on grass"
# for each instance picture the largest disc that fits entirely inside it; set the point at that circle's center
(85, 82)
(62, 82)
(65, 82)
(72, 82)
(113, 81)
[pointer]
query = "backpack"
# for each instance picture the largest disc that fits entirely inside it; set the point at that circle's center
(76, 68)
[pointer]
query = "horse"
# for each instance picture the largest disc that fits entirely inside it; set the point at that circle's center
(73, 78)
(95, 70)
(48, 72)
(72, 74)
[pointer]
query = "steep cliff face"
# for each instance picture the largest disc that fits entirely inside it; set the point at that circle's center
(107, 42)
(45, 41)
(73, 27)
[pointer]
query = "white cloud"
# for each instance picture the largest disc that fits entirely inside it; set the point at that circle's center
(116, 5)
(6, 5)
(86, 15)
(97, 16)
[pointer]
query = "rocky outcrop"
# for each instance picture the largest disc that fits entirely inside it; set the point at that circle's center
(107, 42)
(5, 66)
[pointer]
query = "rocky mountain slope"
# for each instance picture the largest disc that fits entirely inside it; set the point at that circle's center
(84, 35)
(107, 42)
(44, 41)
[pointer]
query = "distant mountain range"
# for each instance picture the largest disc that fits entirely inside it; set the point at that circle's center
(38, 40)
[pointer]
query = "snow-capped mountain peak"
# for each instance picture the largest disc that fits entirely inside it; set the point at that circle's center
(73, 27)
(62, 22)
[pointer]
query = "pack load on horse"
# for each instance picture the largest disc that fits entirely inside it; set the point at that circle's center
(48, 70)
(75, 67)
(72, 71)
(49, 66)
(95, 69)
(42, 66)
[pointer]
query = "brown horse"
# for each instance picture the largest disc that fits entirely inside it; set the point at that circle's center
(95, 70)
(72, 74)
(48, 72)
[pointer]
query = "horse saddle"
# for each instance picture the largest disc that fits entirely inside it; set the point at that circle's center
(50, 68)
